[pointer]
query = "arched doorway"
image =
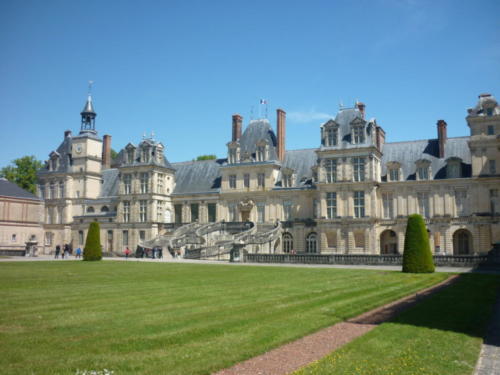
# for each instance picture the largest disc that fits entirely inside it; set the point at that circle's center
(389, 242)
(462, 242)
(311, 243)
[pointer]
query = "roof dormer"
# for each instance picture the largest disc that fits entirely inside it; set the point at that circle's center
(330, 134)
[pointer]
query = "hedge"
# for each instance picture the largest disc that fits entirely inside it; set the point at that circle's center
(93, 250)
(417, 256)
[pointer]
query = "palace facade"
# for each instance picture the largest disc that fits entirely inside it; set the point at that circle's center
(349, 195)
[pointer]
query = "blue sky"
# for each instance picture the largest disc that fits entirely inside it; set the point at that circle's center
(182, 68)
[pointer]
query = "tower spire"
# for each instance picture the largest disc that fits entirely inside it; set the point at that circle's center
(88, 114)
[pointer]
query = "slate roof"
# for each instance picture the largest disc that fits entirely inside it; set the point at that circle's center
(407, 153)
(197, 176)
(110, 183)
(255, 131)
(9, 189)
(121, 159)
(63, 150)
(301, 162)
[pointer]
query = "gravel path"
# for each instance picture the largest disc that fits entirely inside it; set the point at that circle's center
(299, 353)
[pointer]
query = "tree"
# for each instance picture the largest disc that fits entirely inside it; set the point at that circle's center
(417, 256)
(206, 157)
(114, 154)
(93, 250)
(22, 172)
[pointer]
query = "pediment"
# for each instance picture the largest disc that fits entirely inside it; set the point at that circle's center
(130, 146)
(330, 124)
(358, 122)
(287, 171)
(54, 154)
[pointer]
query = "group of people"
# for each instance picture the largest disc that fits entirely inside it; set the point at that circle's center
(143, 252)
(66, 251)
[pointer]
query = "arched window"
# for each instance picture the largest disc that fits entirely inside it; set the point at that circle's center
(90, 210)
(104, 209)
(388, 242)
(311, 243)
(287, 243)
(462, 242)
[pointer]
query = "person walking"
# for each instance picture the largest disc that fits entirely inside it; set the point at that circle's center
(78, 253)
(58, 250)
(127, 252)
(160, 252)
(66, 251)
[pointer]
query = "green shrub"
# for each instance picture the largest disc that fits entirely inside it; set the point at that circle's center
(417, 256)
(93, 250)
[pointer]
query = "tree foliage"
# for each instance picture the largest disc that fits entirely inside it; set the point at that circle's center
(417, 256)
(206, 157)
(22, 172)
(93, 249)
(114, 154)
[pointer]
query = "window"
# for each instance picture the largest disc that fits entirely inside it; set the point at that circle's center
(127, 183)
(261, 212)
(232, 181)
(145, 155)
(125, 238)
(261, 153)
(49, 238)
(492, 166)
(358, 134)
(143, 211)
(212, 212)
(52, 192)
(358, 169)
(142, 235)
(493, 200)
(233, 213)
(246, 180)
(130, 156)
(491, 130)
(394, 174)
(315, 209)
(42, 191)
(232, 155)
(387, 205)
(90, 210)
(359, 204)
(144, 182)
(287, 243)
(261, 180)
(460, 201)
(126, 211)
(331, 170)
(13, 238)
(159, 211)
(160, 183)
(195, 212)
(331, 136)
(287, 210)
(489, 111)
(423, 204)
(423, 173)
(80, 237)
(311, 243)
(61, 189)
(331, 205)
(104, 209)
(178, 213)
(453, 170)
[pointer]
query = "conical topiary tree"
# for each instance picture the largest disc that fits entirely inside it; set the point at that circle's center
(417, 256)
(92, 250)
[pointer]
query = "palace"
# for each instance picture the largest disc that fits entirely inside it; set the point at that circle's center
(349, 195)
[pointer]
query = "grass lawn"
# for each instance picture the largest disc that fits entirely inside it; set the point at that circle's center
(441, 336)
(150, 318)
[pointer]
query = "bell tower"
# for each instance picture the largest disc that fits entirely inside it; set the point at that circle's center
(88, 115)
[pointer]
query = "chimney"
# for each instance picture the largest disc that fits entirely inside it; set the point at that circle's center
(361, 107)
(67, 133)
(237, 120)
(106, 152)
(441, 128)
(281, 118)
(380, 138)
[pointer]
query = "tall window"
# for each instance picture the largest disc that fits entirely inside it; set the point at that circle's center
(160, 183)
(195, 211)
(423, 204)
(287, 242)
(315, 209)
(331, 136)
(61, 189)
(144, 182)
(287, 210)
(233, 213)
(331, 205)
(261, 180)
(460, 202)
(453, 170)
(50, 236)
(311, 243)
(331, 170)
(232, 155)
(394, 174)
(359, 204)
(126, 211)
(143, 211)
(80, 237)
(492, 166)
(159, 211)
(130, 156)
(261, 212)
(145, 155)
(232, 181)
(358, 169)
(125, 238)
(493, 200)
(261, 153)
(212, 212)
(42, 191)
(423, 172)
(358, 134)
(178, 213)
(52, 194)
(246, 180)
(387, 205)
(287, 180)
(127, 183)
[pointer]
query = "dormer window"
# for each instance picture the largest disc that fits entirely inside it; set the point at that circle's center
(454, 168)
(287, 178)
(261, 151)
(358, 134)
(423, 169)
(393, 171)
(130, 156)
(233, 152)
(394, 174)
(331, 136)
(145, 155)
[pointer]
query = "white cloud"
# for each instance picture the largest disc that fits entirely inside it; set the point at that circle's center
(308, 116)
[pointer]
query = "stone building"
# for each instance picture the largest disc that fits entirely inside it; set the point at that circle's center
(349, 195)
(21, 218)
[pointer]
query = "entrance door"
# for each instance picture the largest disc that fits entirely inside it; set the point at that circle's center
(245, 216)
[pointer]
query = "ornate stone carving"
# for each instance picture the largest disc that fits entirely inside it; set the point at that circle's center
(246, 204)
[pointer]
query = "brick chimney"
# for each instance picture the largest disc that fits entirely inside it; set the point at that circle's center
(237, 120)
(106, 152)
(67, 133)
(441, 128)
(281, 129)
(379, 137)
(361, 107)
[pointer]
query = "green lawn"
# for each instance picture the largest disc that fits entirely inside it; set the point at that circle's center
(441, 336)
(151, 318)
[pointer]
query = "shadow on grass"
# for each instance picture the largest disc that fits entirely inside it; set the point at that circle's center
(466, 306)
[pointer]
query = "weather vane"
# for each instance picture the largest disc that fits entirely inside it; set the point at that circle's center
(90, 86)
